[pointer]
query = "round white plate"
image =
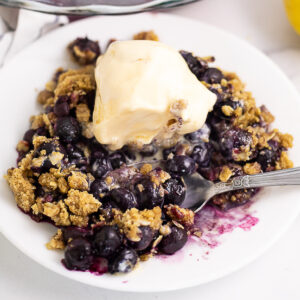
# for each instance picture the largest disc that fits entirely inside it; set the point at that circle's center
(27, 73)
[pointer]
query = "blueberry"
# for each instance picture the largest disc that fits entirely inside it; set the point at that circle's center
(198, 136)
(84, 50)
(149, 150)
(195, 65)
(74, 152)
(232, 140)
(78, 254)
(72, 232)
(173, 241)
(97, 150)
(42, 131)
(106, 241)
(174, 191)
(67, 129)
(123, 198)
(128, 153)
(124, 262)
(100, 167)
(201, 154)
(212, 75)
(181, 165)
(62, 107)
(48, 148)
(148, 194)
(217, 110)
(266, 157)
(98, 187)
(117, 158)
(28, 136)
(147, 235)
(168, 151)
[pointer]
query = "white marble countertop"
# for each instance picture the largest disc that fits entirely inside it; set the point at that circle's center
(275, 275)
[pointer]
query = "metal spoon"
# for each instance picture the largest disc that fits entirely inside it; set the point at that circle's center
(200, 190)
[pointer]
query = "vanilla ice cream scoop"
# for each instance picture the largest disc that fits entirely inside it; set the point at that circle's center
(146, 91)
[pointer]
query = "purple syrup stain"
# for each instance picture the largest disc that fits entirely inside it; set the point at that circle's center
(213, 223)
(125, 281)
(99, 266)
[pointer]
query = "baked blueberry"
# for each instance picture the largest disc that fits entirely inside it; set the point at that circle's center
(124, 261)
(123, 198)
(173, 241)
(28, 136)
(149, 150)
(212, 75)
(84, 51)
(62, 107)
(181, 165)
(106, 241)
(174, 191)
(100, 167)
(201, 154)
(200, 135)
(98, 187)
(67, 129)
(72, 232)
(195, 65)
(147, 235)
(148, 194)
(117, 158)
(78, 254)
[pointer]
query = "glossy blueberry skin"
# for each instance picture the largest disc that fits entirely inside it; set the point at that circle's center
(100, 167)
(117, 158)
(123, 198)
(197, 67)
(173, 241)
(181, 165)
(124, 261)
(266, 157)
(67, 129)
(149, 195)
(72, 232)
(78, 254)
(201, 154)
(147, 235)
(199, 136)
(28, 136)
(106, 241)
(168, 151)
(98, 187)
(62, 107)
(175, 191)
(149, 150)
(212, 75)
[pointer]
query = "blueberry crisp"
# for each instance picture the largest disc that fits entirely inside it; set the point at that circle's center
(113, 213)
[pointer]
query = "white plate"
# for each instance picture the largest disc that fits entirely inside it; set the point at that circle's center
(27, 73)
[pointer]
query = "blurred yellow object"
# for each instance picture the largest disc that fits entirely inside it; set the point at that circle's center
(293, 11)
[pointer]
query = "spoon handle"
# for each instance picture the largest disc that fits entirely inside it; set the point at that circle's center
(274, 178)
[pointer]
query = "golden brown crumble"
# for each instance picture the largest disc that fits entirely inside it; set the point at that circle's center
(56, 242)
(284, 162)
(145, 169)
(146, 35)
(252, 168)
(82, 203)
(225, 174)
(78, 181)
(87, 130)
(82, 112)
(43, 96)
(22, 188)
(62, 185)
(80, 221)
(22, 146)
(181, 215)
(48, 181)
(130, 221)
(227, 110)
(81, 80)
(159, 176)
(57, 212)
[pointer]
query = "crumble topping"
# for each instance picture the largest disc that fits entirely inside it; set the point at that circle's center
(225, 174)
(57, 212)
(252, 168)
(82, 203)
(78, 181)
(56, 242)
(146, 35)
(180, 215)
(132, 219)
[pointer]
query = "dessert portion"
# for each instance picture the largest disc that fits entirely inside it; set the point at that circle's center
(146, 91)
(110, 215)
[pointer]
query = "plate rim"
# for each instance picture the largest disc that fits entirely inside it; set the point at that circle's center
(250, 258)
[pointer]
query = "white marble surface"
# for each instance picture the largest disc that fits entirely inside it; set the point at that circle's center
(276, 274)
